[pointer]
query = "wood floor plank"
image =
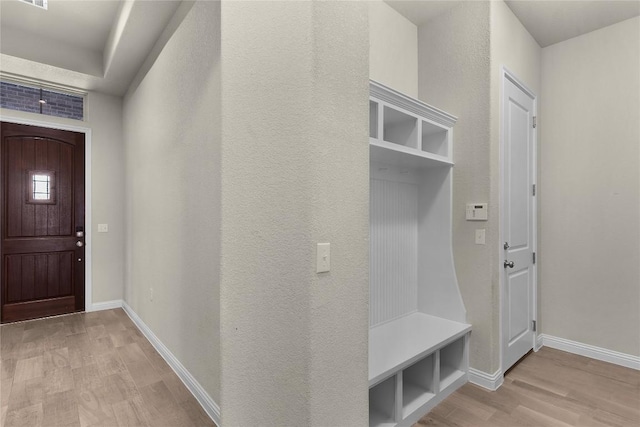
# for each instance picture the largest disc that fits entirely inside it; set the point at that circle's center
(55, 359)
(87, 377)
(60, 409)
(118, 387)
(92, 410)
(159, 401)
(58, 380)
(5, 391)
(27, 369)
(7, 369)
(131, 413)
(29, 416)
(25, 393)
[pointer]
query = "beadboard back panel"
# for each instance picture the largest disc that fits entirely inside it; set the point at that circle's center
(394, 250)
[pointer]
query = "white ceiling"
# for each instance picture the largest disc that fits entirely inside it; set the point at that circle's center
(87, 44)
(421, 11)
(548, 21)
(78, 23)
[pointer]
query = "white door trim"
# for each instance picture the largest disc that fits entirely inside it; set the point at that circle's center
(506, 74)
(87, 189)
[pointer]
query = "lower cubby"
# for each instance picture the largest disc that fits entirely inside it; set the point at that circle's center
(452, 363)
(382, 403)
(418, 385)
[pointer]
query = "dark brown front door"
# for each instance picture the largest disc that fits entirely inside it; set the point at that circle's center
(42, 215)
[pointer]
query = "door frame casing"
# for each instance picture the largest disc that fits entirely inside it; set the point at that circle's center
(506, 74)
(88, 297)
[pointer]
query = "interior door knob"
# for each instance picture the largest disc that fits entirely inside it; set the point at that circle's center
(509, 264)
(79, 244)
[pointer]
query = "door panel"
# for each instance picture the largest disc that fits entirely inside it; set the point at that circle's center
(42, 210)
(518, 295)
(518, 280)
(518, 177)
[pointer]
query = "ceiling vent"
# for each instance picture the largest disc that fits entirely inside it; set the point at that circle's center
(40, 3)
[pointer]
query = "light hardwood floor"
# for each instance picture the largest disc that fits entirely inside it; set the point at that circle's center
(89, 369)
(547, 388)
(96, 369)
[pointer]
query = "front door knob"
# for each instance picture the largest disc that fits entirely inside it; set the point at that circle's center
(79, 244)
(509, 264)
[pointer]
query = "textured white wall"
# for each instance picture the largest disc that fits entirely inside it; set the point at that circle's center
(172, 143)
(294, 173)
(454, 68)
(104, 114)
(104, 118)
(590, 214)
(393, 57)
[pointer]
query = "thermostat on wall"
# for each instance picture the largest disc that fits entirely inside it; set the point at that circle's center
(477, 212)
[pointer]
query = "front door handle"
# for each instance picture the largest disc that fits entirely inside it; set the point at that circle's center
(79, 244)
(509, 264)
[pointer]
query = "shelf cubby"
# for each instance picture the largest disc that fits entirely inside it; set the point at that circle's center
(418, 384)
(382, 403)
(452, 363)
(400, 128)
(435, 139)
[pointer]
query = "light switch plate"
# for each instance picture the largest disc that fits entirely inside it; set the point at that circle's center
(323, 261)
(103, 228)
(480, 236)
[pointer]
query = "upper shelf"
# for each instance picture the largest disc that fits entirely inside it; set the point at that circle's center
(408, 132)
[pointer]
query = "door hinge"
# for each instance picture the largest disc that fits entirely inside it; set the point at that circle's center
(534, 257)
(535, 121)
(534, 190)
(533, 325)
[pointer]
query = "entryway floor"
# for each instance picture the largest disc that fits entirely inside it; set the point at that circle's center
(89, 369)
(547, 388)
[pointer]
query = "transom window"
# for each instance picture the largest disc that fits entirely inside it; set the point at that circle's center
(31, 99)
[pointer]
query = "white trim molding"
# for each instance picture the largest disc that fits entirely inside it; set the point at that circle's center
(105, 305)
(489, 381)
(208, 404)
(593, 352)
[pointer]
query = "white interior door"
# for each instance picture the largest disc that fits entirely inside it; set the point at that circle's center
(518, 216)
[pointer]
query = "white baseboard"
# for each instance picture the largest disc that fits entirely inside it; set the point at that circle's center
(591, 351)
(488, 381)
(208, 404)
(106, 305)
